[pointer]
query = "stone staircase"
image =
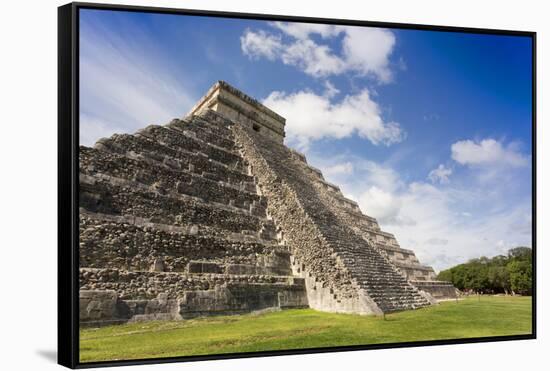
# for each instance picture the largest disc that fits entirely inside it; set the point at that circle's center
(172, 226)
(367, 272)
(402, 260)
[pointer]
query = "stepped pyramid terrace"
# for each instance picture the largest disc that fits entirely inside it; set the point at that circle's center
(213, 214)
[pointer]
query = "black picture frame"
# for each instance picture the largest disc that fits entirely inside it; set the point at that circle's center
(68, 182)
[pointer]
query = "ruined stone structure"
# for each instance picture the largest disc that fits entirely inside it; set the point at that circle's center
(213, 214)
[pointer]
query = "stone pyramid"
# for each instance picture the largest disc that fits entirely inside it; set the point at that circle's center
(213, 214)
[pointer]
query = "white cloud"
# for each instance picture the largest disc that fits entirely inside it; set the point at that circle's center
(330, 90)
(380, 204)
(313, 59)
(125, 83)
(367, 50)
(260, 44)
(343, 168)
(302, 31)
(311, 117)
(379, 175)
(487, 152)
(433, 210)
(364, 50)
(437, 241)
(440, 174)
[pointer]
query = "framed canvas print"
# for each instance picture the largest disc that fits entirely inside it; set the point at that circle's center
(240, 185)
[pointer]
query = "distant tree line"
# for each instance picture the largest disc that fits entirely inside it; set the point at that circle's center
(508, 274)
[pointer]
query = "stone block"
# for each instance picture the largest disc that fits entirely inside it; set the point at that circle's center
(204, 267)
(98, 305)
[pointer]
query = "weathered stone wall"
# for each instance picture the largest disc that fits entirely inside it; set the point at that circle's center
(210, 187)
(169, 136)
(238, 299)
(439, 290)
(127, 198)
(160, 170)
(148, 285)
(143, 148)
(106, 307)
(98, 306)
(109, 244)
(172, 227)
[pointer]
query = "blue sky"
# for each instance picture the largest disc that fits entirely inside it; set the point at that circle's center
(430, 132)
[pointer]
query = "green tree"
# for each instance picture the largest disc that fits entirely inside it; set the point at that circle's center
(499, 278)
(521, 253)
(501, 274)
(521, 276)
(446, 275)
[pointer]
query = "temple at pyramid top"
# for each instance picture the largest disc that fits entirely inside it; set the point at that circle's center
(237, 106)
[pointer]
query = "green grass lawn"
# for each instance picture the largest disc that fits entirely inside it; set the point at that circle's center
(306, 328)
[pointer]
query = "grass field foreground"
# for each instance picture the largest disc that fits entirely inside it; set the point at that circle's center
(306, 328)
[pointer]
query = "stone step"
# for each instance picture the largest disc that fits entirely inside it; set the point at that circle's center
(205, 132)
(248, 203)
(395, 249)
(388, 287)
(169, 180)
(364, 222)
(382, 283)
(394, 304)
(196, 161)
(416, 266)
(112, 244)
(375, 283)
(176, 139)
(358, 259)
(214, 122)
(267, 235)
(148, 285)
(123, 200)
(390, 291)
(92, 159)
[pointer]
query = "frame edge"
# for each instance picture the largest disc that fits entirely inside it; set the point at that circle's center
(67, 334)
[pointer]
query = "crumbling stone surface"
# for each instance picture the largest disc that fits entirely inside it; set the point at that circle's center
(109, 244)
(135, 199)
(97, 305)
(148, 285)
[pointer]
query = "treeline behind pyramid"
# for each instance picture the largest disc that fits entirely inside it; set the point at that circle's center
(508, 274)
